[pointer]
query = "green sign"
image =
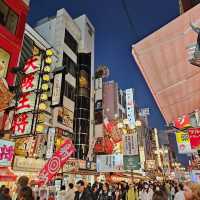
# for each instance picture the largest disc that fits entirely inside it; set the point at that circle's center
(132, 162)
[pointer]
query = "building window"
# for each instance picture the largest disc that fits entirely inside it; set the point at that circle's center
(71, 42)
(4, 61)
(83, 79)
(8, 17)
(69, 64)
(69, 91)
(83, 102)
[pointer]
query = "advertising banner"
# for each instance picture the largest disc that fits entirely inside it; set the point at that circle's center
(57, 89)
(131, 162)
(130, 144)
(109, 163)
(6, 152)
(24, 146)
(130, 108)
(194, 134)
(56, 162)
(150, 164)
(50, 142)
(29, 82)
(22, 124)
(32, 64)
(182, 122)
(27, 164)
(5, 95)
(183, 142)
(26, 103)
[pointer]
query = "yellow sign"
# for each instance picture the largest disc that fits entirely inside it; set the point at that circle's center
(182, 137)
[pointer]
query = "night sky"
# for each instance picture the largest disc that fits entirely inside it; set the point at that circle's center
(115, 35)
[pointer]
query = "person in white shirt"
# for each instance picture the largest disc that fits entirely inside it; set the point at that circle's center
(70, 194)
(180, 194)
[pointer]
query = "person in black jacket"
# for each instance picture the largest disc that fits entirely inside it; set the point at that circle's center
(105, 194)
(82, 193)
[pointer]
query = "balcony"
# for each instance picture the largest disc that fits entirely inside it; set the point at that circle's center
(194, 55)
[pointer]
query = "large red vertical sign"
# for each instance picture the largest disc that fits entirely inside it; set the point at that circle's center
(194, 134)
(54, 164)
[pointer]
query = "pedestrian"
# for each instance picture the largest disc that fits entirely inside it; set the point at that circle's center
(146, 194)
(5, 194)
(104, 194)
(70, 194)
(82, 193)
(180, 194)
(1, 188)
(95, 191)
(25, 194)
(22, 182)
(132, 193)
(160, 195)
(192, 191)
(62, 193)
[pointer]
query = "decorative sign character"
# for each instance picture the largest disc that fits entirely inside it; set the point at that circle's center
(20, 123)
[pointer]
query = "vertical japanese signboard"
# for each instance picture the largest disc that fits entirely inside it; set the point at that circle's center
(130, 108)
(6, 152)
(50, 142)
(194, 135)
(130, 144)
(22, 124)
(183, 142)
(57, 89)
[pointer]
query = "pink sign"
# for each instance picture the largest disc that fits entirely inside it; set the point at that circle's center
(6, 152)
(56, 162)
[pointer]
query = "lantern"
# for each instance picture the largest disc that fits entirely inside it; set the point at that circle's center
(49, 52)
(42, 106)
(46, 77)
(47, 69)
(45, 86)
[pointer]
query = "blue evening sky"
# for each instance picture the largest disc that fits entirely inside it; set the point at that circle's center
(114, 36)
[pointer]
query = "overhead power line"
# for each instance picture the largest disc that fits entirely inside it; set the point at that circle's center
(130, 21)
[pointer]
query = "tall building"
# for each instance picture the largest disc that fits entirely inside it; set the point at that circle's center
(185, 5)
(73, 79)
(13, 16)
(114, 101)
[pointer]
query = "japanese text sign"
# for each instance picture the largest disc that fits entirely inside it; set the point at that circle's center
(130, 144)
(6, 152)
(22, 124)
(26, 103)
(32, 64)
(29, 82)
(56, 162)
(194, 134)
(183, 142)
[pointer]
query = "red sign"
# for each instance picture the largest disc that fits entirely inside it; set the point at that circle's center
(182, 122)
(56, 162)
(194, 134)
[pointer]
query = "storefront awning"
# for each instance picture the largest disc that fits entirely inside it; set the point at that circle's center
(164, 62)
(6, 175)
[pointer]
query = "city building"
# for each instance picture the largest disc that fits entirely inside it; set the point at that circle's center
(13, 16)
(114, 101)
(185, 5)
(162, 54)
(73, 78)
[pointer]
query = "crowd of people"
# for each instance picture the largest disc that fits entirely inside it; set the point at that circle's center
(149, 190)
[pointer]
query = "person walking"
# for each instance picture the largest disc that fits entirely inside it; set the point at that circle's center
(82, 193)
(132, 193)
(180, 194)
(5, 194)
(160, 195)
(70, 194)
(104, 194)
